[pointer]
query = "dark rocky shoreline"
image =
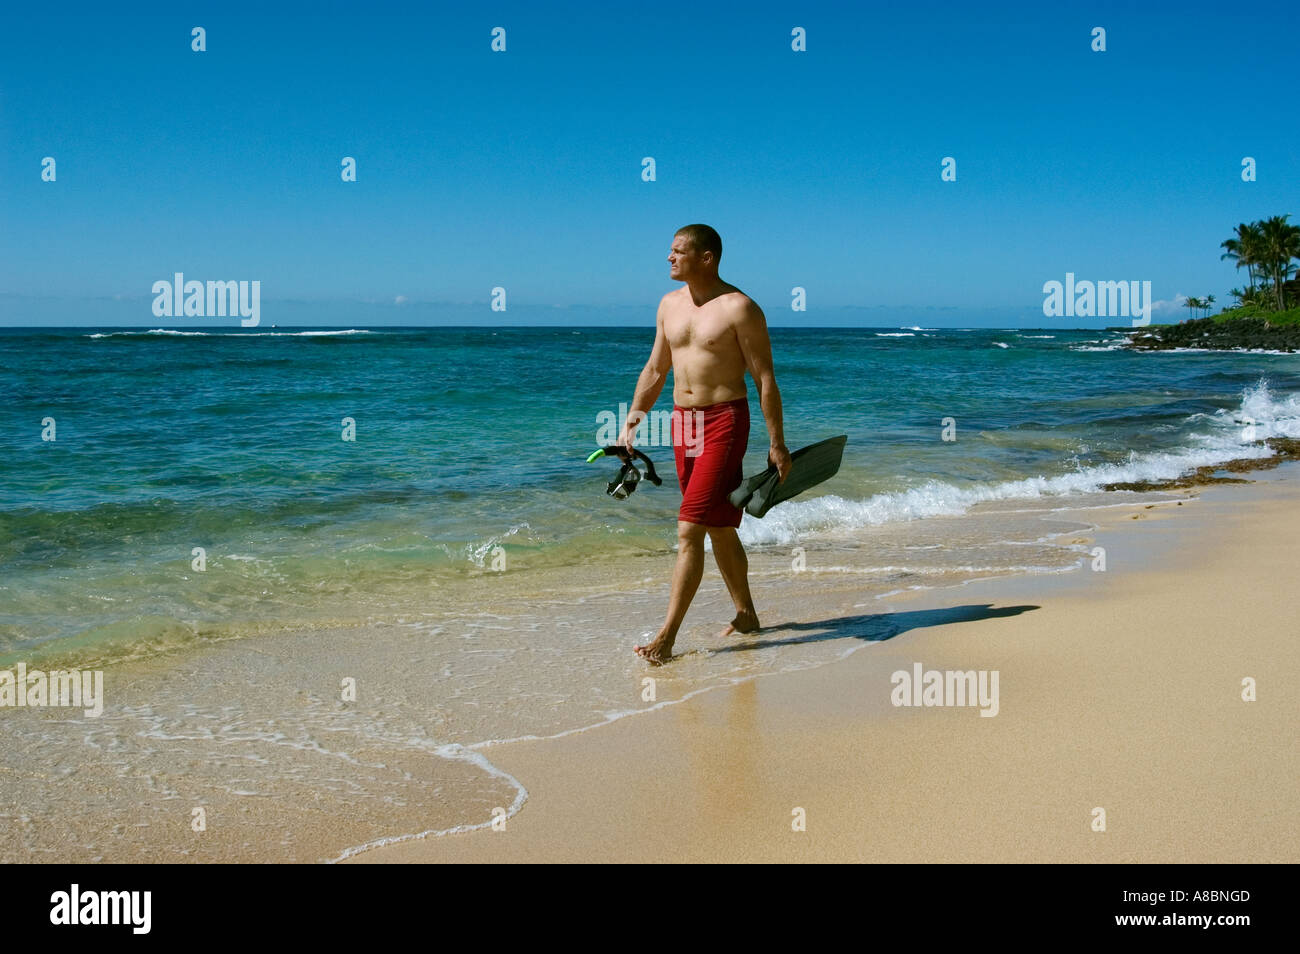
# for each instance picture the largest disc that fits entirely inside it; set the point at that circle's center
(1237, 334)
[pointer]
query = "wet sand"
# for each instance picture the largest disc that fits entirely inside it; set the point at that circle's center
(1118, 690)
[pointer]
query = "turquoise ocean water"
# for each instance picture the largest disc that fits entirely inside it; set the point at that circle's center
(376, 556)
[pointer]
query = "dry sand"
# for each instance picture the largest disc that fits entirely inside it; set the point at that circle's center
(1119, 690)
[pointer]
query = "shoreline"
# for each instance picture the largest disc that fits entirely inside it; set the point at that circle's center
(402, 760)
(1082, 704)
(1247, 334)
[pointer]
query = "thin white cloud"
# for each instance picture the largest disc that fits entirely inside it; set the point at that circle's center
(1174, 304)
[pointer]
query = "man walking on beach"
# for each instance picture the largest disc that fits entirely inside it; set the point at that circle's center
(709, 333)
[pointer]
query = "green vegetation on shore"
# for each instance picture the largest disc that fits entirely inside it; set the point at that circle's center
(1274, 319)
(1268, 312)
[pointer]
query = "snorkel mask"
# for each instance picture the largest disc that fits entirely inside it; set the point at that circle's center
(622, 486)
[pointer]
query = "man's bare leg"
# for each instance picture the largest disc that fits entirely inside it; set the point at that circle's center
(686, 580)
(734, 565)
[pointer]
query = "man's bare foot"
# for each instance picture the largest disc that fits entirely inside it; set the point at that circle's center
(656, 653)
(746, 621)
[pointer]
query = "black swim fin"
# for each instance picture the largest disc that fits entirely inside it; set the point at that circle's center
(809, 467)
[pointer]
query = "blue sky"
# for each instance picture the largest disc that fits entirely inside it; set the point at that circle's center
(523, 169)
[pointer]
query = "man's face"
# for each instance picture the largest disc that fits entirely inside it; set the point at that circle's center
(683, 262)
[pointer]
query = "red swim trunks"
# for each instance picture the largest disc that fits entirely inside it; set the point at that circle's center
(709, 444)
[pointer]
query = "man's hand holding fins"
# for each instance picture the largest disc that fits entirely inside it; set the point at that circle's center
(778, 456)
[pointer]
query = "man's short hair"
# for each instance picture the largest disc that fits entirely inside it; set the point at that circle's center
(703, 239)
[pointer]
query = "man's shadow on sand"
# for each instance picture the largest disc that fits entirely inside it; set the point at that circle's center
(875, 627)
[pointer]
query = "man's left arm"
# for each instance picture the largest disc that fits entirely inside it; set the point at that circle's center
(756, 349)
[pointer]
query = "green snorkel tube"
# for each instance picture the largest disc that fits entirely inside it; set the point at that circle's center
(628, 476)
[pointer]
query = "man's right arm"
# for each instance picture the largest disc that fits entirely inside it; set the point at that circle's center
(651, 382)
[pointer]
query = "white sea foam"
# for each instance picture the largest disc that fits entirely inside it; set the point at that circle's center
(236, 334)
(1214, 351)
(1114, 344)
(152, 331)
(1225, 439)
(311, 334)
(876, 571)
(460, 753)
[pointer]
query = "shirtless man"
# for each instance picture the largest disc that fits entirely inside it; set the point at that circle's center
(709, 333)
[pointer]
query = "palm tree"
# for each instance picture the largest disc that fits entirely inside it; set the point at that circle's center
(1280, 243)
(1245, 249)
(1206, 302)
(1192, 304)
(1233, 251)
(1253, 249)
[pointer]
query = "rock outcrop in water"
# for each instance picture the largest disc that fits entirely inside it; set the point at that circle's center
(1239, 333)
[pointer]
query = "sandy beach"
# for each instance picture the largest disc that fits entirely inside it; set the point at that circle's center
(1118, 690)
